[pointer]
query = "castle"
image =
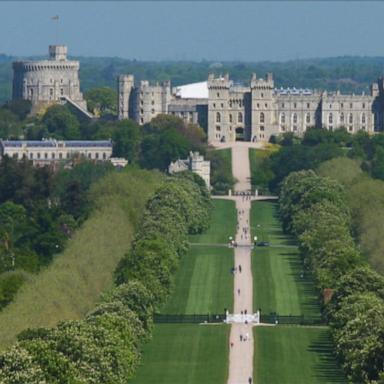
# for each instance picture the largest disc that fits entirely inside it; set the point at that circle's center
(252, 112)
(227, 111)
(47, 82)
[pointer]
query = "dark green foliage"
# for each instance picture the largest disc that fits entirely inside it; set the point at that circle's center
(61, 123)
(10, 282)
(221, 171)
(102, 101)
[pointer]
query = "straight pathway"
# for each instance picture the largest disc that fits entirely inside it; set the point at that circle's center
(241, 352)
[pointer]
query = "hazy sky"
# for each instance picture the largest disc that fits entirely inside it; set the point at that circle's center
(156, 30)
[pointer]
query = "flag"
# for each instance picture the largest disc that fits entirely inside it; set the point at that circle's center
(56, 17)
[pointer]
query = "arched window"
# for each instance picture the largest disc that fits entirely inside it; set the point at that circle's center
(308, 118)
(262, 118)
(342, 118)
(294, 118)
(218, 117)
(97, 155)
(363, 119)
(104, 155)
(240, 117)
(282, 118)
(230, 117)
(350, 119)
(330, 118)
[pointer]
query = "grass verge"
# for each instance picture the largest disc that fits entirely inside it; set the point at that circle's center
(294, 355)
(184, 353)
(279, 283)
(204, 283)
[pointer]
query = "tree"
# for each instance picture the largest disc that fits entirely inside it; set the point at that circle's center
(102, 101)
(127, 139)
(61, 123)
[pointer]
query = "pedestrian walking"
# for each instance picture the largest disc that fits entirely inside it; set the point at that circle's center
(240, 268)
(238, 291)
(250, 380)
(231, 344)
(245, 311)
(241, 337)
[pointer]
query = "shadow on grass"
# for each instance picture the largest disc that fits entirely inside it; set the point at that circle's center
(327, 369)
(307, 290)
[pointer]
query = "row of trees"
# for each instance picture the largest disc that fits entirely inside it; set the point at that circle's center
(314, 210)
(105, 346)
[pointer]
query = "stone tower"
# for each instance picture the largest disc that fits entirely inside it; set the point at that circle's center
(125, 87)
(47, 82)
(263, 107)
(218, 115)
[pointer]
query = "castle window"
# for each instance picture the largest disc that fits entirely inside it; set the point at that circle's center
(38, 155)
(350, 119)
(218, 94)
(294, 118)
(230, 104)
(89, 155)
(104, 155)
(282, 105)
(363, 105)
(266, 105)
(341, 105)
(240, 103)
(141, 111)
(61, 81)
(230, 117)
(31, 92)
(45, 155)
(350, 129)
(51, 92)
(222, 105)
(61, 91)
(261, 127)
(97, 155)
(60, 155)
(330, 106)
(141, 120)
(262, 117)
(330, 118)
(258, 105)
(363, 120)
(152, 102)
(351, 105)
(262, 95)
(218, 128)
(283, 128)
(153, 111)
(294, 105)
(214, 105)
(53, 155)
(31, 156)
(341, 117)
(295, 128)
(308, 105)
(282, 118)
(218, 117)
(308, 118)
(240, 117)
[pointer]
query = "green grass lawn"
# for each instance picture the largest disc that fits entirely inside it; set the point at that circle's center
(294, 355)
(277, 269)
(204, 283)
(185, 354)
(223, 223)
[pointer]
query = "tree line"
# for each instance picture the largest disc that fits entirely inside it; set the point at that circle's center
(105, 347)
(314, 210)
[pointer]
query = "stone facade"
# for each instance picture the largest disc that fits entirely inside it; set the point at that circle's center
(195, 163)
(254, 112)
(43, 152)
(48, 82)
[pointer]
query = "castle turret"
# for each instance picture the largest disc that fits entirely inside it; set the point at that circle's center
(125, 87)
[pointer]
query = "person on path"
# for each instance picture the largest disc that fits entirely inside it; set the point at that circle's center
(231, 344)
(241, 337)
(238, 291)
(240, 268)
(250, 380)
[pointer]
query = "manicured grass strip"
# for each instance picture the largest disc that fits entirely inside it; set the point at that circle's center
(294, 355)
(185, 354)
(204, 283)
(223, 223)
(278, 280)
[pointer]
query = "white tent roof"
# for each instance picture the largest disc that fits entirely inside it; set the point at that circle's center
(193, 91)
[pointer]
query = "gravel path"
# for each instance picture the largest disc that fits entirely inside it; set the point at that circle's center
(241, 352)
